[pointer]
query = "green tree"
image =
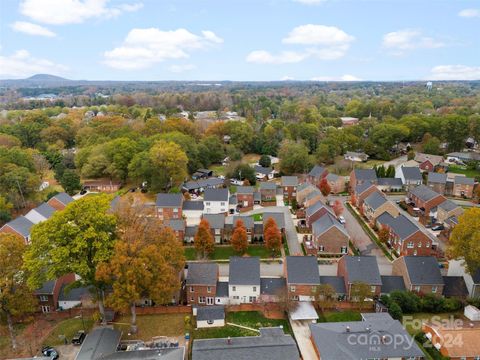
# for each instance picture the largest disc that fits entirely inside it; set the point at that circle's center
(265, 161)
(294, 158)
(243, 172)
(74, 240)
(70, 181)
(432, 146)
(325, 296)
(5, 210)
(360, 292)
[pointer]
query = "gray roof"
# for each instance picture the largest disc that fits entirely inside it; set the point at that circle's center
(47, 288)
(317, 171)
(277, 216)
(424, 192)
(272, 286)
(73, 294)
(332, 177)
(465, 155)
(216, 195)
(244, 270)
(448, 205)
(191, 230)
(375, 200)
(202, 273)
(337, 282)
(99, 343)
(193, 205)
(272, 344)
(247, 220)
(216, 312)
(216, 221)
(302, 270)
(245, 189)
(356, 154)
(64, 198)
(454, 286)
(401, 225)
(21, 225)
(176, 224)
(437, 178)
(312, 209)
(314, 193)
(363, 269)
(257, 196)
(177, 353)
(222, 289)
(334, 342)
(45, 210)
(324, 223)
(169, 200)
(423, 270)
(362, 187)
(392, 283)
(390, 181)
(365, 174)
(463, 180)
(203, 183)
(263, 170)
(233, 199)
(412, 173)
(268, 186)
(289, 181)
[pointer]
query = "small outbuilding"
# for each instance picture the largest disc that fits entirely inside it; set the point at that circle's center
(210, 316)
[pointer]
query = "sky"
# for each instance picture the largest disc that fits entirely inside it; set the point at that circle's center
(243, 40)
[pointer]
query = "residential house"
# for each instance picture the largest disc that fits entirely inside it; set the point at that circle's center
(411, 177)
(40, 213)
(337, 283)
(376, 204)
(216, 201)
(464, 344)
(427, 162)
(463, 157)
(199, 186)
(392, 283)
(201, 283)
(426, 200)
(463, 187)
(289, 187)
(362, 191)
(244, 279)
(178, 227)
(20, 226)
(455, 287)
(268, 192)
(421, 274)
(272, 289)
(264, 173)
(47, 295)
(314, 212)
(405, 237)
(245, 199)
(329, 236)
(302, 277)
(277, 216)
(448, 209)
(362, 176)
(472, 279)
(102, 185)
(316, 175)
(312, 198)
(217, 226)
(169, 206)
(231, 222)
(336, 182)
(75, 297)
(60, 201)
(201, 174)
(272, 343)
(360, 269)
(303, 190)
(437, 182)
(376, 337)
(390, 184)
(355, 156)
(209, 316)
(221, 297)
(192, 211)
(349, 121)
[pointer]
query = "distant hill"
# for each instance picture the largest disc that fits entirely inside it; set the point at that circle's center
(46, 77)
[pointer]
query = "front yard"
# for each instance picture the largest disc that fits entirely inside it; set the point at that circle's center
(223, 252)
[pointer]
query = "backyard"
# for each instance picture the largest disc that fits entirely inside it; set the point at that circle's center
(225, 251)
(152, 325)
(339, 316)
(473, 173)
(67, 329)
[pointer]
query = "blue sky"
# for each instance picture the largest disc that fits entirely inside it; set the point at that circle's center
(241, 40)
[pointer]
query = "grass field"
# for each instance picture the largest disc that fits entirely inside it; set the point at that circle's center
(339, 316)
(257, 217)
(152, 325)
(413, 322)
(67, 328)
(464, 170)
(224, 252)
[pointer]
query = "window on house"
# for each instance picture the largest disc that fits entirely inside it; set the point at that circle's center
(321, 248)
(420, 244)
(209, 289)
(434, 289)
(292, 288)
(45, 308)
(191, 289)
(192, 299)
(234, 288)
(343, 250)
(201, 299)
(410, 245)
(207, 203)
(295, 297)
(175, 210)
(416, 288)
(236, 297)
(428, 245)
(43, 298)
(222, 203)
(373, 288)
(314, 289)
(252, 299)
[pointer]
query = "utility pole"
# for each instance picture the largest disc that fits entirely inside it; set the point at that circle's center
(21, 193)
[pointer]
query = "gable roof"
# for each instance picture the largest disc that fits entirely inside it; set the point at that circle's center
(193, 205)
(244, 271)
(365, 174)
(463, 180)
(448, 205)
(390, 181)
(312, 194)
(247, 220)
(245, 189)
(21, 225)
(46, 288)
(45, 210)
(392, 283)
(215, 312)
(423, 270)
(263, 170)
(176, 224)
(277, 216)
(434, 159)
(332, 177)
(63, 197)
(74, 294)
(402, 226)
(302, 270)
(437, 178)
(202, 273)
(216, 195)
(362, 269)
(317, 171)
(337, 282)
(424, 193)
(360, 189)
(454, 286)
(216, 221)
(325, 222)
(169, 200)
(268, 186)
(289, 181)
(375, 200)
(411, 173)
(272, 286)
(312, 209)
(98, 343)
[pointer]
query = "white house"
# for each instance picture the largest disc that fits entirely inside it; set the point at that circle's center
(216, 201)
(40, 213)
(355, 156)
(244, 280)
(209, 316)
(192, 212)
(264, 173)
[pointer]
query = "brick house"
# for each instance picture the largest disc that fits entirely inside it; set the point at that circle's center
(102, 185)
(360, 269)
(289, 187)
(463, 187)
(303, 190)
(362, 191)
(376, 204)
(329, 236)
(245, 199)
(389, 184)
(278, 217)
(169, 206)
(448, 209)
(427, 162)
(421, 274)
(425, 199)
(467, 348)
(178, 227)
(20, 226)
(312, 198)
(410, 175)
(316, 175)
(362, 176)
(437, 182)
(302, 277)
(268, 193)
(336, 182)
(405, 237)
(48, 294)
(217, 226)
(60, 201)
(201, 283)
(314, 212)
(231, 221)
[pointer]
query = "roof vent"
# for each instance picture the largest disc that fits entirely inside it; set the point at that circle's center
(347, 329)
(229, 341)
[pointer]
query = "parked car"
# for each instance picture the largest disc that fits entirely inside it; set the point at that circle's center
(438, 228)
(78, 338)
(50, 352)
(341, 219)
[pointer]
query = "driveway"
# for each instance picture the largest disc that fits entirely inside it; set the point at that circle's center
(301, 331)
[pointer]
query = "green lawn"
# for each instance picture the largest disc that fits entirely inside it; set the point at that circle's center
(339, 316)
(413, 322)
(225, 251)
(218, 169)
(257, 217)
(68, 328)
(463, 170)
(152, 325)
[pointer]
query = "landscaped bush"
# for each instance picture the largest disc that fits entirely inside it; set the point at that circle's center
(408, 302)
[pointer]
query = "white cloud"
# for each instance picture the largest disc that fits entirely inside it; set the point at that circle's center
(287, 78)
(455, 72)
(60, 12)
(469, 13)
(32, 29)
(181, 68)
(317, 35)
(21, 64)
(285, 57)
(399, 42)
(143, 48)
(346, 77)
(310, 2)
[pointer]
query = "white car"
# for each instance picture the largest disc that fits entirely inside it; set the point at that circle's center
(341, 219)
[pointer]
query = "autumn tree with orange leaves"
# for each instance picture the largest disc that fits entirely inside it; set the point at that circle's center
(239, 238)
(324, 186)
(337, 208)
(272, 236)
(204, 242)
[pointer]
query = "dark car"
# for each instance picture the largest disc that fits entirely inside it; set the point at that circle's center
(83, 192)
(78, 338)
(438, 227)
(50, 352)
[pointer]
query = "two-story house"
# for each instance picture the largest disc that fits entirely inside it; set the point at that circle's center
(360, 269)
(169, 206)
(216, 201)
(410, 175)
(48, 294)
(376, 204)
(421, 274)
(316, 175)
(389, 184)
(277, 216)
(362, 176)
(463, 187)
(231, 222)
(302, 277)
(361, 191)
(192, 211)
(336, 182)
(245, 198)
(289, 187)
(201, 283)
(437, 182)
(244, 280)
(315, 212)
(268, 193)
(217, 226)
(329, 236)
(428, 162)
(426, 200)
(178, 227)
(264, 173)
(448, 209)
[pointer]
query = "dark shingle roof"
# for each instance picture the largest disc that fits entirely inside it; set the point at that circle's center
(401, 225)
(424, 192)
(191, 230)
(312, 209)
(272, 286)
(448, 205)
(317, 171)
(326, 222)
(98, 343)
(193, 205)
(390, 181)
(244, 271)
(277, 216)
(247, 220)
(262, 170)
(437, 178)
(45, 210)
(176, 224)
(454, 286)
(337, 282)
(245, 189)
(202, 273)
(74, 294)
(365, 174)
(222, 289)
(216, 221)
(412, 173)
(302, 270)
(312, 194)
(463, 180)
(423, 270)
(21, 225)
(363, 269)
(64, 198)
(216, 312)
(359, 189)
(289, 181)
(216, 195)
(177, 353)
(375, 200)
(392, 283)
(268, 186)
(47, 288)
(169, 200)
(332, 177)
